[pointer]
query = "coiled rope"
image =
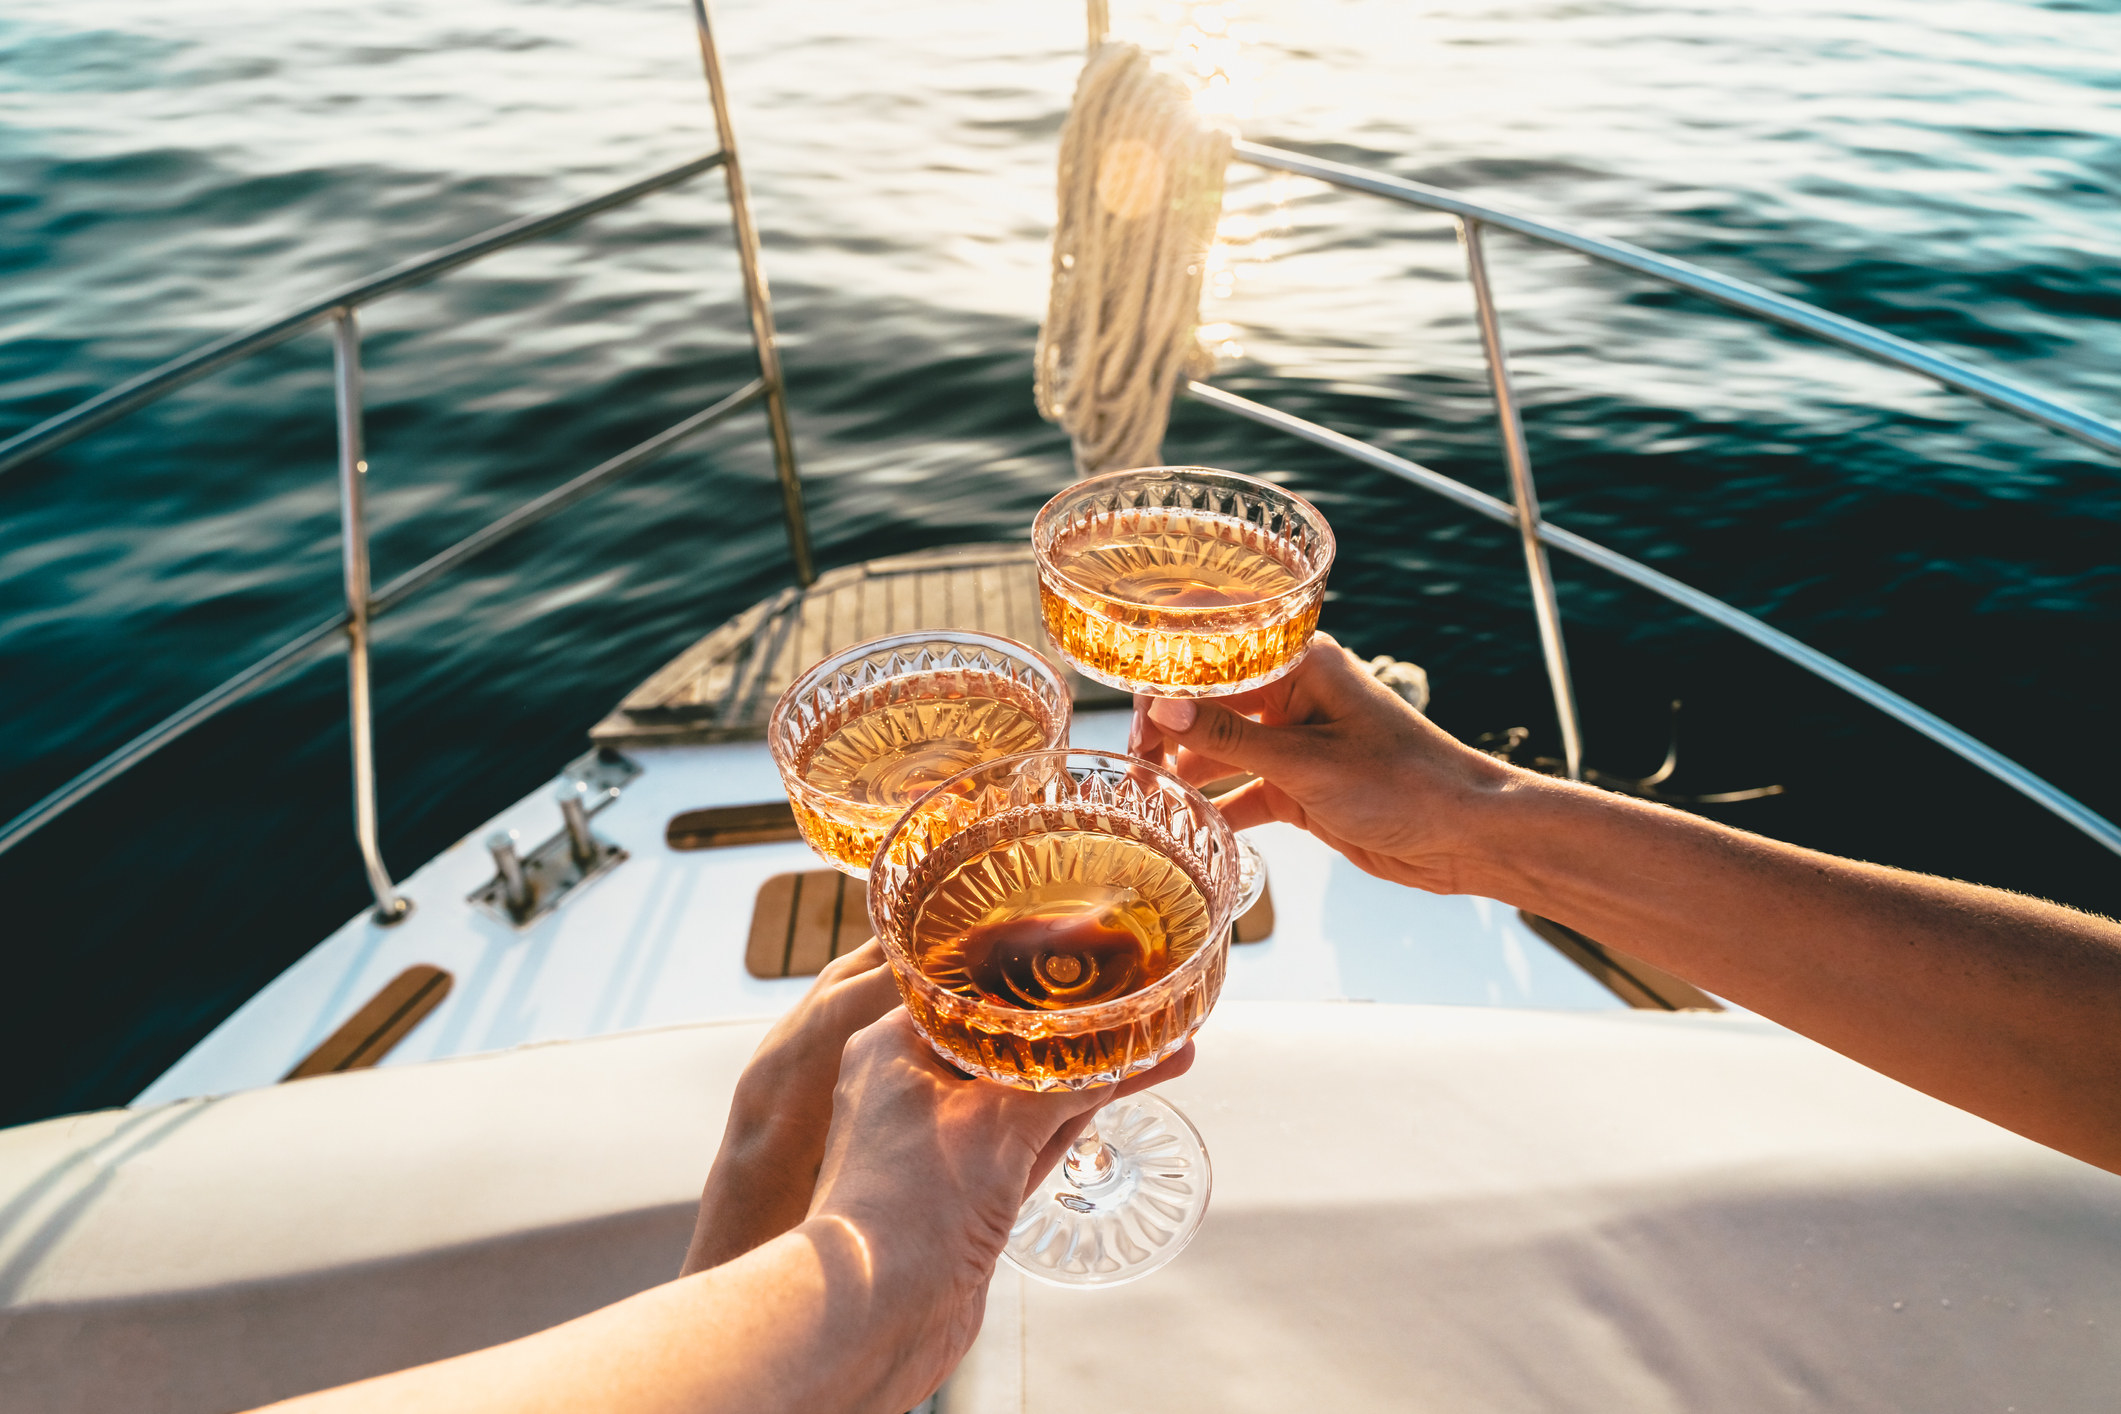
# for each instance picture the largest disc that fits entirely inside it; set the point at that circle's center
(1140, 191)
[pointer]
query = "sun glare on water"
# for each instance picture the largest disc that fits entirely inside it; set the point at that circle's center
(1216, 47)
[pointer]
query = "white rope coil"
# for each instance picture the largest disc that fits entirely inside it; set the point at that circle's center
(1141, 183)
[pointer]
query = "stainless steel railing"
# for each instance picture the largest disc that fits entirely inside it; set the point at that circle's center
(341, 308)
(1522, 512)
(1860, 338)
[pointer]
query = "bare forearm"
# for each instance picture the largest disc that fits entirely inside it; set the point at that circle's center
(798, 1324)
(758, 1189)
(2000, 1004)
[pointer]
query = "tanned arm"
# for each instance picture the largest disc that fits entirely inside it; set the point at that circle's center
(2003, 1005)
(844, 1246)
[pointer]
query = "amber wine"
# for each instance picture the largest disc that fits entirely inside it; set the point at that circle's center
(1059, 920)
(1141, 582)
(889, 756)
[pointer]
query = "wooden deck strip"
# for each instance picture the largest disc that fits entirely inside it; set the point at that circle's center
(383, 1020)
(878, 599)
(724, 826)
(724, 686)
(990, 601)
(844, 626)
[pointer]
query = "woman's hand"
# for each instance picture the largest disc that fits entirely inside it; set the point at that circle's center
(924, 1172)
(761, 1182)
(867, 1303)
(1339, 754)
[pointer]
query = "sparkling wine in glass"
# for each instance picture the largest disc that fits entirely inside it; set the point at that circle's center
(1181, 581)
(1061, 920)
(869, 730)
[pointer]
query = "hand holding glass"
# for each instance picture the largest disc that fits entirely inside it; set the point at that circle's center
(1061, 920)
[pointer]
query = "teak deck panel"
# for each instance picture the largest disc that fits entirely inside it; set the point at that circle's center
(721, 826)
(723, 687)
(384, 1020)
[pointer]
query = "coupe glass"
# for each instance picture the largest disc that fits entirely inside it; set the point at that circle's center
(1181, 581)
(1061, 920)
(869, 730)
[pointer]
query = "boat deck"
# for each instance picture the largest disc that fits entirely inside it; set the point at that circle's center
(723, 687)
(662, 938)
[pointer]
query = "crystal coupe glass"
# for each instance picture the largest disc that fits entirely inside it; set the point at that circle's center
(1181, 581)
(1061, 920)
(868, 730)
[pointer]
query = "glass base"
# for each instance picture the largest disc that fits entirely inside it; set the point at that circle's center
(1121, 1225)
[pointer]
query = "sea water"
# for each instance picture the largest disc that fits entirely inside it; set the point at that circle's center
(168, 172)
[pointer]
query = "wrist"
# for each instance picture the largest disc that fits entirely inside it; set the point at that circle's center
(758, 1187)
(1505, 819)
(911, 1286)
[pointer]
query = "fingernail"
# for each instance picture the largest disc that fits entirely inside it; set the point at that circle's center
(1174, 714)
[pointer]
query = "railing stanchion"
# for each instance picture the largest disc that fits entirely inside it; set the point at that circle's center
(761, 304)
(1537, 571)
(391, 906)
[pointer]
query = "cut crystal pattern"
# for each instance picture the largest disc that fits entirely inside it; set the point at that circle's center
(978, 834)
(1181, 581)
(862, 734)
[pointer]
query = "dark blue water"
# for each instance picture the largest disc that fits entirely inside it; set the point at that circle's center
(1948, 171)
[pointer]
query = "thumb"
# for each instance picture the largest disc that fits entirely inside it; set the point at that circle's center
(1212, 730)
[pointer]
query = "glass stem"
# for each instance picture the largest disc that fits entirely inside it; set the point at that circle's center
(1089, 1164)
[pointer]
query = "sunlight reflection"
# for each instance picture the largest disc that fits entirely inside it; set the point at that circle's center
(1220, 48)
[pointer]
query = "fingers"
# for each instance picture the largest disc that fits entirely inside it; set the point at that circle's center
(1056, 1147)
(1143, 739)
(867, 957)
(1213, 733)
(1254, 803)
(851, 991)
(866, 996)
(1170, 1068)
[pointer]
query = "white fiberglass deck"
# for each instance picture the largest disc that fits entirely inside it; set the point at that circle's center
(661, 939)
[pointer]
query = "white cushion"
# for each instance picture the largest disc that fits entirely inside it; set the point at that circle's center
(1415, 1207)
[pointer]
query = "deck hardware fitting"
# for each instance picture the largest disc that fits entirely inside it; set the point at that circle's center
(574, 817)
(526, 887)
(508, 871)
(604, 771)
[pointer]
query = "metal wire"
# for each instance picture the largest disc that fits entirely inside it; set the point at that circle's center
(1876, 344)
(1994, 763)
(1886, 348)
(362, 607)
(86, 417)
(293, 654)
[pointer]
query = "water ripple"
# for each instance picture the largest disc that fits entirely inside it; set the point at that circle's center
(1947, 169)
